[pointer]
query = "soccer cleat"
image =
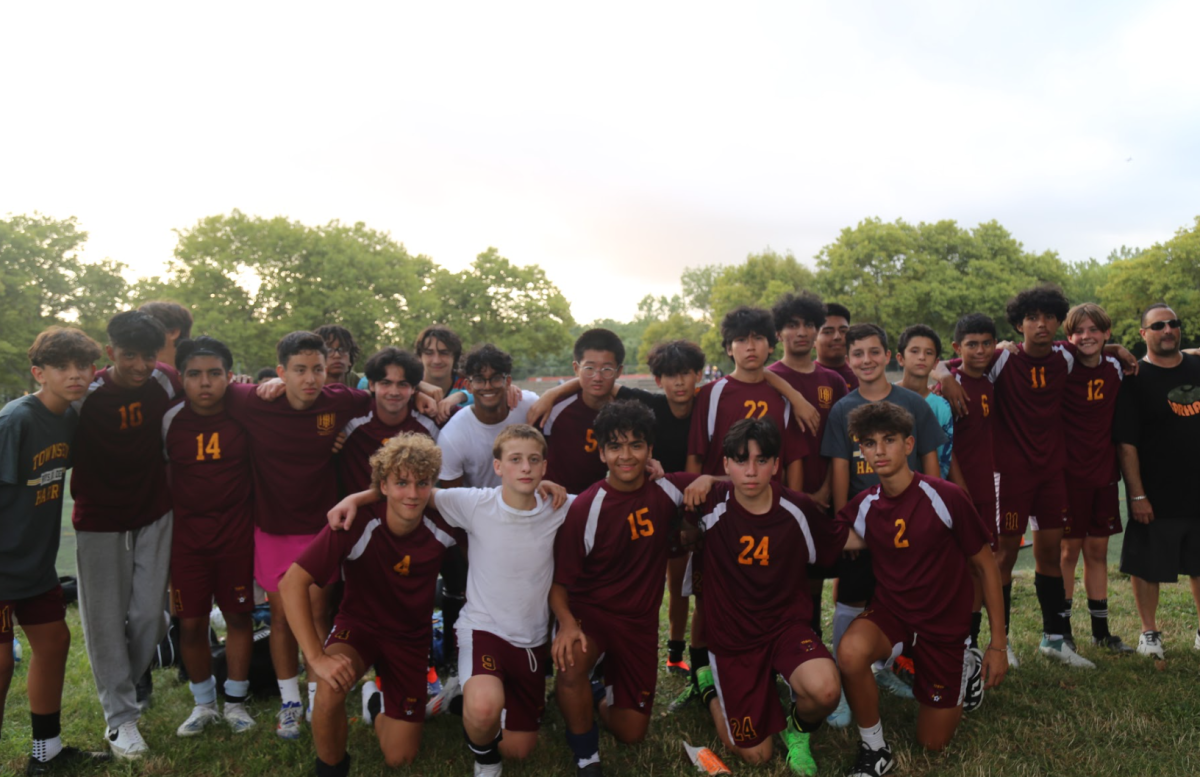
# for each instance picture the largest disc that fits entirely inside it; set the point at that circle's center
(451, 689)
(69, 758)
(289, 717)
(238, 717)
(685, 697)
(202, 715)
(678, 667)
(974, 695)
(1113, 643)
(126, 741)
(488, 770)
(872, 763)
(371, 690)
(799, 754)
(1058, 650)
(1150, 644)
(1069, 641)
(591, 770)
(1013, 663)
(888, 680)
(905, 669)
(840, 717)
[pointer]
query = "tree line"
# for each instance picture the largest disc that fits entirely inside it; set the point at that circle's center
(249, 280)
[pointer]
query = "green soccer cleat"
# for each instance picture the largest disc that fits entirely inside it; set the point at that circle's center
(685, 697)
(799, 755)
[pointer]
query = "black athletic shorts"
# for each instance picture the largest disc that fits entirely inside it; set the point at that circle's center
(856, 579)
(1162, 550)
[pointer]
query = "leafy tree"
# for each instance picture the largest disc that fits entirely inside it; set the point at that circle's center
(679, 326)
(759, 281)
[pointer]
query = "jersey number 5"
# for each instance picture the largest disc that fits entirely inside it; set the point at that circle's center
(591, 445)
(761, 554)
(213, 448)
(753, 407)
(639, 524)
(131, 415)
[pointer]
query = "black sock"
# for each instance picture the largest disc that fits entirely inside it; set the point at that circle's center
(1007, 591)
(1050, 596)
(1098, 609)
(675, 650)
(1066, 619)
(585, 747)
(485, 754)
(815, 621)
(976, 624)
(802, 725)
(699, 659)
(46, 730)
(340, 769)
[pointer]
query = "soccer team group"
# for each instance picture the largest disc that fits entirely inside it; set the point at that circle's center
(553, 521)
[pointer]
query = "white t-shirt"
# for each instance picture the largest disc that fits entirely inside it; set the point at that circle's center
(511, 562)
(466, 444)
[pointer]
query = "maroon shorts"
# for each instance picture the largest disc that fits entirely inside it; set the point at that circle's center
(940, 664)
(1022, 500)
(1093, 511)
(34, 611)
(630, 656)
(197, 579)
(985, 505)
(523, 672)
(400, 666)
(746, 687)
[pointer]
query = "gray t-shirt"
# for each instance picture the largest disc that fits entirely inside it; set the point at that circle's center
(837, 444)
(35, 451)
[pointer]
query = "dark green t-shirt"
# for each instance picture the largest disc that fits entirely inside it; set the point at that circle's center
(35, 451)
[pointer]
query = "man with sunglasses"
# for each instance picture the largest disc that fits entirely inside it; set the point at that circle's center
(1158, 418)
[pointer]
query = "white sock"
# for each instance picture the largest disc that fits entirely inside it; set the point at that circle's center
(289, 690)
(312, 693)
(237, 689)
(873, 736)
(204, 692)
(843, 615)
(45, 749)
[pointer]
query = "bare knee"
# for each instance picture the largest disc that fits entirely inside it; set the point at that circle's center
(481, 710)
(399, 757)
(825, 693)
(759, 754)
(854, 655)
(517, 749)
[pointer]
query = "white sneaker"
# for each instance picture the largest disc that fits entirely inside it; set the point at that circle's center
(202, 715)
(289, 720)
(1150, 644)
(1059, 650)
(886, 679)
(238, 717)
(840, 717)
(489, 770)
(438, 705)
(126, 741)
(1196, 641)
(369, 691)
(1013, 663)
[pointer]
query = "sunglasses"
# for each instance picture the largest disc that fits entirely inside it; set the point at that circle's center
(1158, 326)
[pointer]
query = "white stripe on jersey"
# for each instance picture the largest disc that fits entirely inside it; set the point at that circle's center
(556, 412)
(994, 373)
(428, 423)
(939, 506)
(354, 423)
(442, 537)
(165, 382)
(798, 514)
(593, 521)
(168, 417)
(714, 399)
(673, 492)
(363, 541)
(860, 520)
(1067, 355)
(710, 520)
(1116, 363)
(96, 383)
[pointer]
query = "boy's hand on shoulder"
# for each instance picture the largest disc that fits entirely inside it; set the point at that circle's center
(514, 396)
(342, 515)
(270, 391)
(539, 412)
(695, 494)
(654, 470)
(554, 492)
(339, 442)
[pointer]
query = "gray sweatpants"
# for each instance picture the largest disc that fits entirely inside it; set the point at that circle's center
(122, 603)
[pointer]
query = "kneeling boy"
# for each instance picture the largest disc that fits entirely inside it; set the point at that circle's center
(390, 560)
(925, 537)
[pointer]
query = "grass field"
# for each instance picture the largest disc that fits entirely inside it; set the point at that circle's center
(1125, 718)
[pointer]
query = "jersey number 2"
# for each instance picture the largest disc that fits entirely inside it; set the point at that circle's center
(900, 541)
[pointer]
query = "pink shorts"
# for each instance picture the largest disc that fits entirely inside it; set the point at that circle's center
(274, 554)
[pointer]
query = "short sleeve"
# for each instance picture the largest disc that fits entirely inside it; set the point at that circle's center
(569, 551)
(698, 435)
(452, 459)
(1127, 422)
(928, 432)
(458, 505)
(12, 428)
(828, 536)
(970, 531)
(678, 482)
(324, 555)
(836, 442)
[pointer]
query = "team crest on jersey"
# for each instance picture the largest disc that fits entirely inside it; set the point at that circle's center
(410, 704)
(343, 635)
(807, 646)
(240, 592)
(825, 397)
(937, 691)
(326, 423)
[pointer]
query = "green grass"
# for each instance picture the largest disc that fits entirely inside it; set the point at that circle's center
(1125, 718)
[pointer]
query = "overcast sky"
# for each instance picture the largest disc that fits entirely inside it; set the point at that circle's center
(613, 144)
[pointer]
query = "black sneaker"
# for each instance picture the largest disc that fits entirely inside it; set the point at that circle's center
(68, 758)
(1113, 643)
(872, 763)
(974, 694)
(591, 770)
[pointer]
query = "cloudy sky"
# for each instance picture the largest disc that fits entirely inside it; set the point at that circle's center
(613, 144)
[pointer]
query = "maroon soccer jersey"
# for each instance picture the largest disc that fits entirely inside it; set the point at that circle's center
(723, 402)
(822, 388)
(211, 481)
(847, 375)
(573, 460)
(1028, 436)
(295, 482)
(611, 552)
(119, 480)
(366, 434)
(1088, 410)
(920, 542)
(755, 584)
(390, 580)
(973, 444)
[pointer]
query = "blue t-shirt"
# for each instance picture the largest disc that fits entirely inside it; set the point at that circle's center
(945, 419)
